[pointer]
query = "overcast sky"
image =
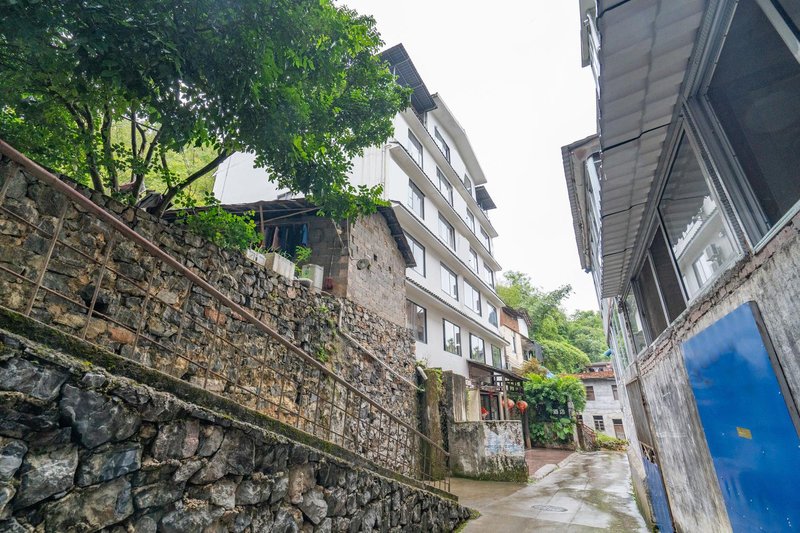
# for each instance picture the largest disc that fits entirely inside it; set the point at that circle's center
(510, 71)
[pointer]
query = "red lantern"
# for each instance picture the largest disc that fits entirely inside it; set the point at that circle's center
(522, 405)
(510, 404)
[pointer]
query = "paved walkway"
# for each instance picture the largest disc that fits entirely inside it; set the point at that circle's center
(539, 457)
(591, 493)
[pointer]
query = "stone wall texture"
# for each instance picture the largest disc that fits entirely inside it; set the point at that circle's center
(82, 449)
(490, 450)
(771, 278)
(149, 313)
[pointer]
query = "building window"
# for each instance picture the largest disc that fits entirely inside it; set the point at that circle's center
(449, 282)
(471, 220)
(417, 320)
(753, 94)
(486, 240)
(452, 338)
(614, 392)
(415, 148)
(472, 297)
(468, 185)
(477, 348)
(419, 254)
(513, 342)
(444, 186)
(599, 425)
(492, 314)
(634, 322)
(441, 142)
(447, 233)
(473, 260)
(694, 223)
(488, 275)
(668, 283)
(589, 393)
(619, 429)
(497, 357)
(649, 300)
(416, 200)
(620, 345)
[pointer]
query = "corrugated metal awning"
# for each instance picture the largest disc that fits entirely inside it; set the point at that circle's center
(401, 66)
(644, 55)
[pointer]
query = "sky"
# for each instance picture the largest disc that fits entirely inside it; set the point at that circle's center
(510, 71)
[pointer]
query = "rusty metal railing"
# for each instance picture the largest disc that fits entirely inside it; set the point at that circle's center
(75, 266)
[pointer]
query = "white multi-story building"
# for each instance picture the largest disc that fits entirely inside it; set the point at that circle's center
(431, 176)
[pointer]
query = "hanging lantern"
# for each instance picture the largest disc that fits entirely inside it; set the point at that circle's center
(510, 403)
(522, 405)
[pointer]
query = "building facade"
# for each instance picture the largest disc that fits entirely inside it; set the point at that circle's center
(686, 213)
(431, 176)
(603, 410)
(514, 326)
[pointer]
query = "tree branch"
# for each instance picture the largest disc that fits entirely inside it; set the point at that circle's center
(105, 132)
(138, 180)
(91, 156)
(175, 189)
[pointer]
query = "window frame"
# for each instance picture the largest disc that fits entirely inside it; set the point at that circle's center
(492, 311)
(747, 210)
(455, 277)
(418, 146)
(483, 352)
(590, 392)
(486, 240)
(441, 143)
(492, 349)
(413, 189)
(469, 298)
(450, 242)
(468, 186)
(424, 340)
(470, 220)
(457, 336)
(414, 242)
(615, 392)
(473, 256)
(599, 423)
(448, 187)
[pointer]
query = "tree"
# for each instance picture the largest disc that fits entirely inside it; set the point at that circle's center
(297, 82)
(568, 343)
(550, 400)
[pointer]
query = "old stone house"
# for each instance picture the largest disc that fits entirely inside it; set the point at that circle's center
(603, 411)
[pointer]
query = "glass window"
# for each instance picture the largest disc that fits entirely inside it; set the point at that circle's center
(444, 187)
(473, 260)
(650, 301)
(417, 321)
(497, 357)
(447, 233)
(614, 392)
(471, 220)
(488, 275)
(415, 148)
(486, 240)
(449, 282)
(620, 345)
(441, 142)
(419, 254)
(468, 186)
(472, 297)
(790, 11)
(452, 338)
(477, 348)
(589, 393)
(753, 93)
(668, 281)
(416, 200)
(693, 223)
(634, 322)
(599, 425)
(492, 314)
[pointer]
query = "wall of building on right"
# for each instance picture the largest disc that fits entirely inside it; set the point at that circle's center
(686, 209)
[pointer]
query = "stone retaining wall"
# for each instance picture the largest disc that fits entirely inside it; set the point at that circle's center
(308, 319)
(491, 450)
(82, 449)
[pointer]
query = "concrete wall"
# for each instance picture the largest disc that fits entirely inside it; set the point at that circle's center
(491, 450)
(84, 449)
(771, 278)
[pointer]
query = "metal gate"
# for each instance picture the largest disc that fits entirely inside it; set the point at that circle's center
(658, 494)
(749, 419)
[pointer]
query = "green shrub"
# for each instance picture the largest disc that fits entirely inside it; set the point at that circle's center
(549, 401)
(605, 442)
(226, 230)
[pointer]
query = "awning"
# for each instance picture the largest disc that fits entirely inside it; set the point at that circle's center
(401, 66)
(484, 200)
(493, 369)
(644, 55)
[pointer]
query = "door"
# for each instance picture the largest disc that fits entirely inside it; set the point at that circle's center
(657, 491)
(749, 420)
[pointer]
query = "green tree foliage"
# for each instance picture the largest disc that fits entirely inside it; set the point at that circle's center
(550, 400)
(226, 230)
(568, 343)
(296, 82)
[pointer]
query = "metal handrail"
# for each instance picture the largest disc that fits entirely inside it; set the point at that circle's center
(126, 232)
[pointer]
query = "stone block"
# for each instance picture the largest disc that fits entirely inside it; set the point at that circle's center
(45, 474)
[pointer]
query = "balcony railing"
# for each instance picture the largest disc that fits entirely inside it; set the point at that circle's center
(82, 270)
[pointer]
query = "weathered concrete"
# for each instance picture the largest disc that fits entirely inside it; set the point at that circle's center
(539, 458)
(491, 450)
(591, 493)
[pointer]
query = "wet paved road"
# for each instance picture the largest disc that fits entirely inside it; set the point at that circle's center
(591, 493)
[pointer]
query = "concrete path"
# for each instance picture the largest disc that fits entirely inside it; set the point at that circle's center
(591, 493)
(542, 461)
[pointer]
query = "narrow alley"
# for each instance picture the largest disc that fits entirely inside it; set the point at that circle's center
(591, 492)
